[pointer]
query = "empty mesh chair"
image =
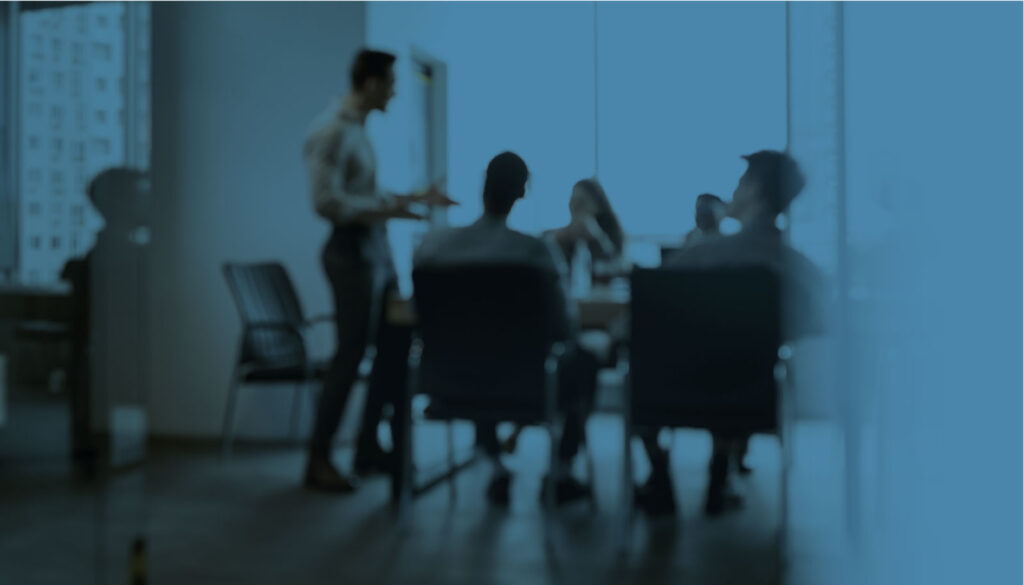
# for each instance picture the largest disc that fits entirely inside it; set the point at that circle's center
(272, 348)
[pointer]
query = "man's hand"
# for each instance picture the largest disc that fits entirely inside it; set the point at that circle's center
(433, 196)
(405, 214)
(399, 209)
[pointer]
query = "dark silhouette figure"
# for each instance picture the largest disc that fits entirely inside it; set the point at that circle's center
(490, 242)
(113, 193)
(771, 182)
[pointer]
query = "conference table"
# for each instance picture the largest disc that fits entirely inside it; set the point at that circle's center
(43, 313)
(22, 302)
(601, 308)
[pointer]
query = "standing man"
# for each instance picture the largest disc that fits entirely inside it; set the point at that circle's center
(357, 260)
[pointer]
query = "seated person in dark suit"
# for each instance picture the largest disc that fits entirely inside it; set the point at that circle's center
(490, 241)
(772, 180)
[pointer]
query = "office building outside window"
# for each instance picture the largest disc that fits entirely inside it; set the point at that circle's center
(75, 61)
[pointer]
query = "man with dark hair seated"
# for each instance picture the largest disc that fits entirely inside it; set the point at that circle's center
(771, 182)
(490, 241)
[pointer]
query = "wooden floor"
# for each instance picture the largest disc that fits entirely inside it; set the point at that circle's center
(248, 521)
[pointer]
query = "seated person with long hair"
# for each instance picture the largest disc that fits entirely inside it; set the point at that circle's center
(592, 223)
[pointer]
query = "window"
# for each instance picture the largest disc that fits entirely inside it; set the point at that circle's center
(55, 21)
(102, 146)
(103, 51)
(56, 117)
(56, 149)
(69, 56)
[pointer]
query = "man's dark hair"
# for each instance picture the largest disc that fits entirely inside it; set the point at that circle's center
(779, 177)
(505, 183)
(705, 213)
(369, 64)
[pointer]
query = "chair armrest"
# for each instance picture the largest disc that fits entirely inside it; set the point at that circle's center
(325, 318)
(782, 366)
(622, 357)
(551, 366)
(622, 366)
(555, 353)
(275, 325)
(284, 327)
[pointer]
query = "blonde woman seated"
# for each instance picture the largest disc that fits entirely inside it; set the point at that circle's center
(594, 224)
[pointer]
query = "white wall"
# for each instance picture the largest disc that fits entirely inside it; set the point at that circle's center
(235, 87)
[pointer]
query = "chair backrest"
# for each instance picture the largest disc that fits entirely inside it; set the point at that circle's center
(667, 252)
(704, 344)
(270, 312)
(486, 332)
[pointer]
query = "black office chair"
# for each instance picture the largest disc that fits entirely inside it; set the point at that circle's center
(486, 352)
(666, 252)
(272, 348)
(705, 353)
